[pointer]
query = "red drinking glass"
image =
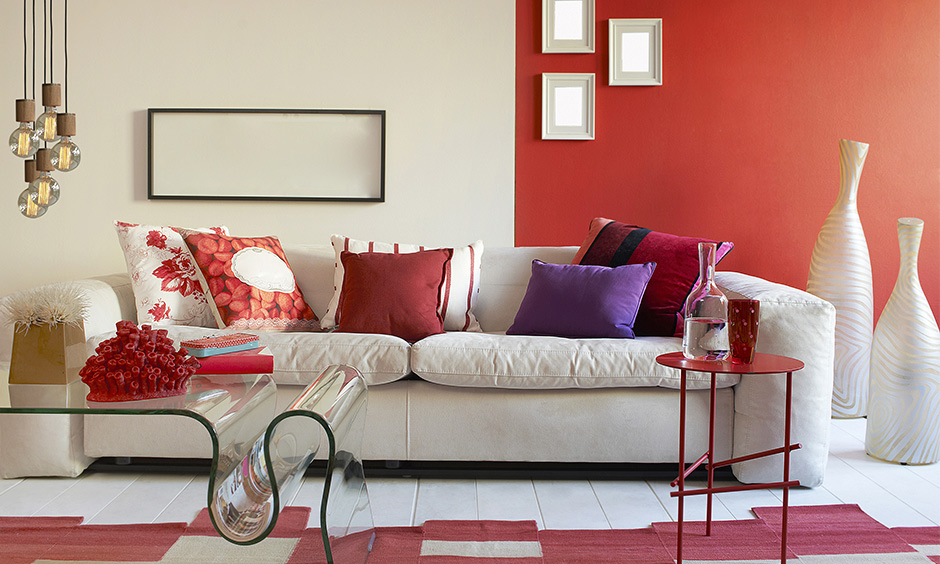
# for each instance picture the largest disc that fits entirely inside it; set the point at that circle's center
(743, 321)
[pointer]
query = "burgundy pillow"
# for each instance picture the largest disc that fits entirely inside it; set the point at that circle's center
(393, 294)
(581, 301)
(611, 243)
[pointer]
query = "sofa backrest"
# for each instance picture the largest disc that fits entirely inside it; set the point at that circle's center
(504, 275)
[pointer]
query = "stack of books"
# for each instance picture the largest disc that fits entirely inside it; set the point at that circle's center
(237, 353)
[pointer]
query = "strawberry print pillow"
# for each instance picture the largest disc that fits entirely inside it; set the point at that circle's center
(250, 282)
(163, 275)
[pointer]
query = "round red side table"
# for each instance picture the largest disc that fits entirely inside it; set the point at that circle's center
(764, 364)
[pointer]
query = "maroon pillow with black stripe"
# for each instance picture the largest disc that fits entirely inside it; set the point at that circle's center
(612, 243)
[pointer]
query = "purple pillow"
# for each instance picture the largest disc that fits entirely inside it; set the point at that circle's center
(573, 300)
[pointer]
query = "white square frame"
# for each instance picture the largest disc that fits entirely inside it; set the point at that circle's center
(579, 106)
(653, 75)
(551, 43)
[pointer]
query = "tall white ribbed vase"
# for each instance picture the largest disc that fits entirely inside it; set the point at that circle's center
(904, 403)
(840, 273)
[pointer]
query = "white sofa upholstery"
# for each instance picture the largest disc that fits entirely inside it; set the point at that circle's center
(492, 397)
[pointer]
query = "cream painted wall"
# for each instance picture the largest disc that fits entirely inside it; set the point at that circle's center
(443, 70)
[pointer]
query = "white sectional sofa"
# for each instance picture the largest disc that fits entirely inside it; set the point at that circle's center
(462, 396)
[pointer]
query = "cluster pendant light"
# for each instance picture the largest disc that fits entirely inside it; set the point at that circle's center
(32, 139)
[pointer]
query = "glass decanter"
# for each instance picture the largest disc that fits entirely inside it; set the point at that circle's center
(705, 335)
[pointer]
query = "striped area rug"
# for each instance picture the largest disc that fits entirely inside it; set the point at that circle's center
(833, 534)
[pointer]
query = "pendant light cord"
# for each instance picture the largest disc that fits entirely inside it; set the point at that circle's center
(65, 43)
(51, 42)
(45, 39)
(34, 49)
(25, 50)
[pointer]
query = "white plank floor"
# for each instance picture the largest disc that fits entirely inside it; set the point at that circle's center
(895, 495)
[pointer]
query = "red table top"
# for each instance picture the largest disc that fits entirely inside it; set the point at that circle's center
(763, 364)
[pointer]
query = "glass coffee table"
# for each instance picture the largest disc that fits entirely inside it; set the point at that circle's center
(258, 456)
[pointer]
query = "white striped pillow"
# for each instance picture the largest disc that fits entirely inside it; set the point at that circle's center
(458, 293)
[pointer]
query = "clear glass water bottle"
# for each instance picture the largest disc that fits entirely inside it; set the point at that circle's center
(705, 335)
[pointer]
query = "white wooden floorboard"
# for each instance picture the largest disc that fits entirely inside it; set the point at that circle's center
(89, 496)
(929, 472)
(855, 427)
(629, 505)
(7, 484)
(569, 505)
(739, 504)
(922, 494)
(310, 494)
(29, 496)
(392, 500)
(696, 506)
(191, 500)
(851, 486)
(445, 499)
(508, 500)
(808, 496)
(159, 490)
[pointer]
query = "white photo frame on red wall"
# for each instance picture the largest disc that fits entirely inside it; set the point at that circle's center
(567, 26)
(568, 106)
(636, 52)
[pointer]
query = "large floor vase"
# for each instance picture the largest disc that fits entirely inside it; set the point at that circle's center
(904, 405)
(840, 272)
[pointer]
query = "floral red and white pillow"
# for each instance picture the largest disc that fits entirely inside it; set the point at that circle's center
(163, 276)
(251, 283)
(458, 293)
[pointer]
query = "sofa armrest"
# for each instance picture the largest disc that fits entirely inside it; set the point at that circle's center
(797, 324)
(110, 299)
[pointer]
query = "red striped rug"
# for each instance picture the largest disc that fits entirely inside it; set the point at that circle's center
(832, 534)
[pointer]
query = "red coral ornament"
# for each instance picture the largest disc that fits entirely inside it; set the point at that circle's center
(139, 363)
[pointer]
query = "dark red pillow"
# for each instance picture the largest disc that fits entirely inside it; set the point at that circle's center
(393, 294)
(612, 243)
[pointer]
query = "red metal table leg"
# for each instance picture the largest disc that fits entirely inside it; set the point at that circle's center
(681, 464)
(786, 471)
(711, 457)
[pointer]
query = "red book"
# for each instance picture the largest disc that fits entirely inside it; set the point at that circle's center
(253, 361)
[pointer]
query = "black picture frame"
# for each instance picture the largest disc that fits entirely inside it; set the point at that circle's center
(317, 155)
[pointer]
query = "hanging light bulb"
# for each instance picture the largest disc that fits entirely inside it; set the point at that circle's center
(66, 155)
(24, 141)
(46, 122)
(29, 207)
(44, 190)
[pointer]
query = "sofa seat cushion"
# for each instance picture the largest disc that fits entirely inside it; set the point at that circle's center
(489, 360)
(299, 357)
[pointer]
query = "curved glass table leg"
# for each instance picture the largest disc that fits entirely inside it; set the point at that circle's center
(337, 403)
(239, 494)
(247, 496)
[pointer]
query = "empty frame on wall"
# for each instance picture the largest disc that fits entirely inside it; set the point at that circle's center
(567, 26)
(636, 52)
(266, 154)
(568, 106)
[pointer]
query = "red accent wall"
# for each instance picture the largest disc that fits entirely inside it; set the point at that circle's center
(740, 142)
